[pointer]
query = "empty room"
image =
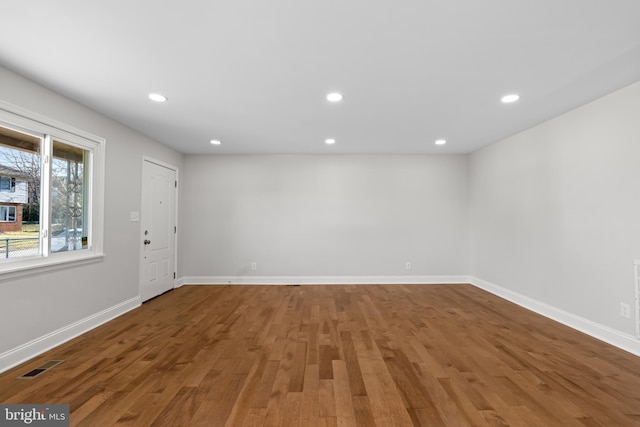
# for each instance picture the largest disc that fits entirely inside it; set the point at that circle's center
(246, 213)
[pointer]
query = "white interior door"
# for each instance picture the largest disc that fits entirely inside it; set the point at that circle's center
(158, 229)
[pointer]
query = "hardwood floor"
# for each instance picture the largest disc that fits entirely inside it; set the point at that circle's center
(374, 355)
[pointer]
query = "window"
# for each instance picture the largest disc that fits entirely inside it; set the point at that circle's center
(7, 184)
(7, 214)
(68, 197)
(55, 174)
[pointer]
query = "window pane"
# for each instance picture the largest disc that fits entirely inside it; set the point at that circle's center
(20, 179)
(5, 183)
(68, 198)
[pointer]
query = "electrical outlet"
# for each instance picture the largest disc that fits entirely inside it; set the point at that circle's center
(408, 265)
(254, 266)
(625, 310)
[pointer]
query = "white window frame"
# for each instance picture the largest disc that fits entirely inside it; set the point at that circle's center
(32, 123)
(12, 184)
(8, 208)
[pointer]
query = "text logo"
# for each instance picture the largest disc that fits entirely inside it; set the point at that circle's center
(34, 415)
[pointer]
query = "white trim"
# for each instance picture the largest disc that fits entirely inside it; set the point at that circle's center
(6, 205)
(45, 122)
(47, 128)
(155, 161)
(44, 265)
(604, 333)
(320, 280)
(45, 197)
(636, 270)
(35, 347)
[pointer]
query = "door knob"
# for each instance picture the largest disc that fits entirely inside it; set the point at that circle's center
(146, 241)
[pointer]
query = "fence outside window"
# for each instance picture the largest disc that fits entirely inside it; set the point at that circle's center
(14, 248)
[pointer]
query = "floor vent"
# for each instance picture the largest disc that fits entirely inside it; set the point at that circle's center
(40, 369)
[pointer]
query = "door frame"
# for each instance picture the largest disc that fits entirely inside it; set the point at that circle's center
(174, 168)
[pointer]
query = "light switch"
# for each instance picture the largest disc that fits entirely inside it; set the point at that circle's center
(135, 216)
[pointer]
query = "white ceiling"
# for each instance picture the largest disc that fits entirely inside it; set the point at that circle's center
(254, 73)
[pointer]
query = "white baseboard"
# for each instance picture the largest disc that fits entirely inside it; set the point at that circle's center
(35, 347)
(319, 280)
(604, 333)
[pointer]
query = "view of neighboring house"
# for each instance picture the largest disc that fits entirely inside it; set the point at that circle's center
(13, 193)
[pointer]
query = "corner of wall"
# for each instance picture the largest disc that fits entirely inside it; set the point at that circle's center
(33, 348)
(603, 333)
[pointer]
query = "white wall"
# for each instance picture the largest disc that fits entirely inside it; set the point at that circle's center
(310, 216)
(37, 305)
(20, 195)
(556, 210)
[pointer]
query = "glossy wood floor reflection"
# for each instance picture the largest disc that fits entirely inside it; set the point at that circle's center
(375, 355)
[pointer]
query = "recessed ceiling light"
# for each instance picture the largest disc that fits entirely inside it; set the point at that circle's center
(215, 142)
(441, 142)
(507, 99)
(157, 97)
(334, 97)
(329, 141)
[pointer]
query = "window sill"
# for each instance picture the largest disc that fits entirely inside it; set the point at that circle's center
(22, 268)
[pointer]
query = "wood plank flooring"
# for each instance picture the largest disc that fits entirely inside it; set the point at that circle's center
(361, 355)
